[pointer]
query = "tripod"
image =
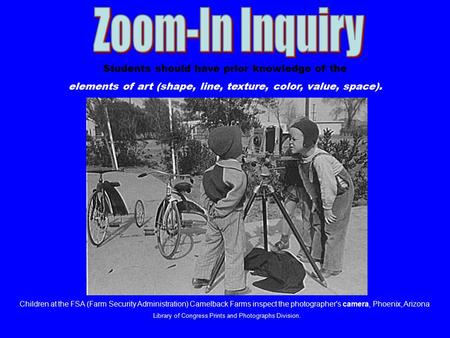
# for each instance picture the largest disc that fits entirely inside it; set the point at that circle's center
(265, 190)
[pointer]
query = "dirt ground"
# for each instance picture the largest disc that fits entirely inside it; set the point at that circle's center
(129, 262)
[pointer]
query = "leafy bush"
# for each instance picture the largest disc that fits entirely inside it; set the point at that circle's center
(128, 153)
(97, 154)
(194, 158)
(353, 155)
(349, 131)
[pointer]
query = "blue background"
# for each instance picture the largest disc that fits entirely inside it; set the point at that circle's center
(48, 47)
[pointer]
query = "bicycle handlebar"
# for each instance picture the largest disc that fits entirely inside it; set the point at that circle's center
(165, 173)
(102, 170)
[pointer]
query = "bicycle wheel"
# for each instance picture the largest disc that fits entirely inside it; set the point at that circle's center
(98, 217)
(139, 213)
(169, 231)
(160, 213)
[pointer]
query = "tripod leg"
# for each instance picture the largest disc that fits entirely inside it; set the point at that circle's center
(215, 272)
(250, 202)
(264, 212)
(299, 239)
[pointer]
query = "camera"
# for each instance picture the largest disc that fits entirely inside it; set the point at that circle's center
(266, 141)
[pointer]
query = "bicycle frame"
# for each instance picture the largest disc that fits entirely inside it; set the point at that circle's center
(184, 204)
(169, 220)
(105, 202)
(172, 194)
(118, 205)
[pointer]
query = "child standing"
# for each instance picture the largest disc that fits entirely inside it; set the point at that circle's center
(223, 195)
(295, 198)
(330, 189)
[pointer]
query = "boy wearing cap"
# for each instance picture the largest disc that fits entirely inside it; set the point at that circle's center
(330, 190)
(223, 195)
(295, 198)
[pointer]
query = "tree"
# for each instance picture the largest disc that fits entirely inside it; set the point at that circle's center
(125, 121)
(285, 109)
(96, 110)
(226, 111)
(350, 107)
(157, 119)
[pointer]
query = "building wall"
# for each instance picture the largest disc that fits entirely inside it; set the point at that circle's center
(335, 126)
(292, 109)
(90, 128)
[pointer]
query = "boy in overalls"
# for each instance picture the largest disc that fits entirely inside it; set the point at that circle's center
(330, 190)
(223, 195)
(295, 198)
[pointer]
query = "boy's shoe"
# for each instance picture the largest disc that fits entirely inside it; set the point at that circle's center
(280, 245)
(329, 273)
(198, 283)
(326, 273)
(243, 291)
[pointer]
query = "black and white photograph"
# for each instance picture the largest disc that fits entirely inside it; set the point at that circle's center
(226, 196)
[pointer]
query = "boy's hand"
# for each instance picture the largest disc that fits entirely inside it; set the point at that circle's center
(329, 216)
(314, 206)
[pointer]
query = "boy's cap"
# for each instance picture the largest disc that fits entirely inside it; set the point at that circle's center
(226, 142)
(310, 131)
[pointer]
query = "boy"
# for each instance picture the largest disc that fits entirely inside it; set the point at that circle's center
(296, 197)
(223, 195)
(330, 190)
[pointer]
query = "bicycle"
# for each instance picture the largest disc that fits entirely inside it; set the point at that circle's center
(105, 204)
(169, 214)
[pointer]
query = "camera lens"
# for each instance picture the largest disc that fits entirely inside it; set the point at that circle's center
(257, 140)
